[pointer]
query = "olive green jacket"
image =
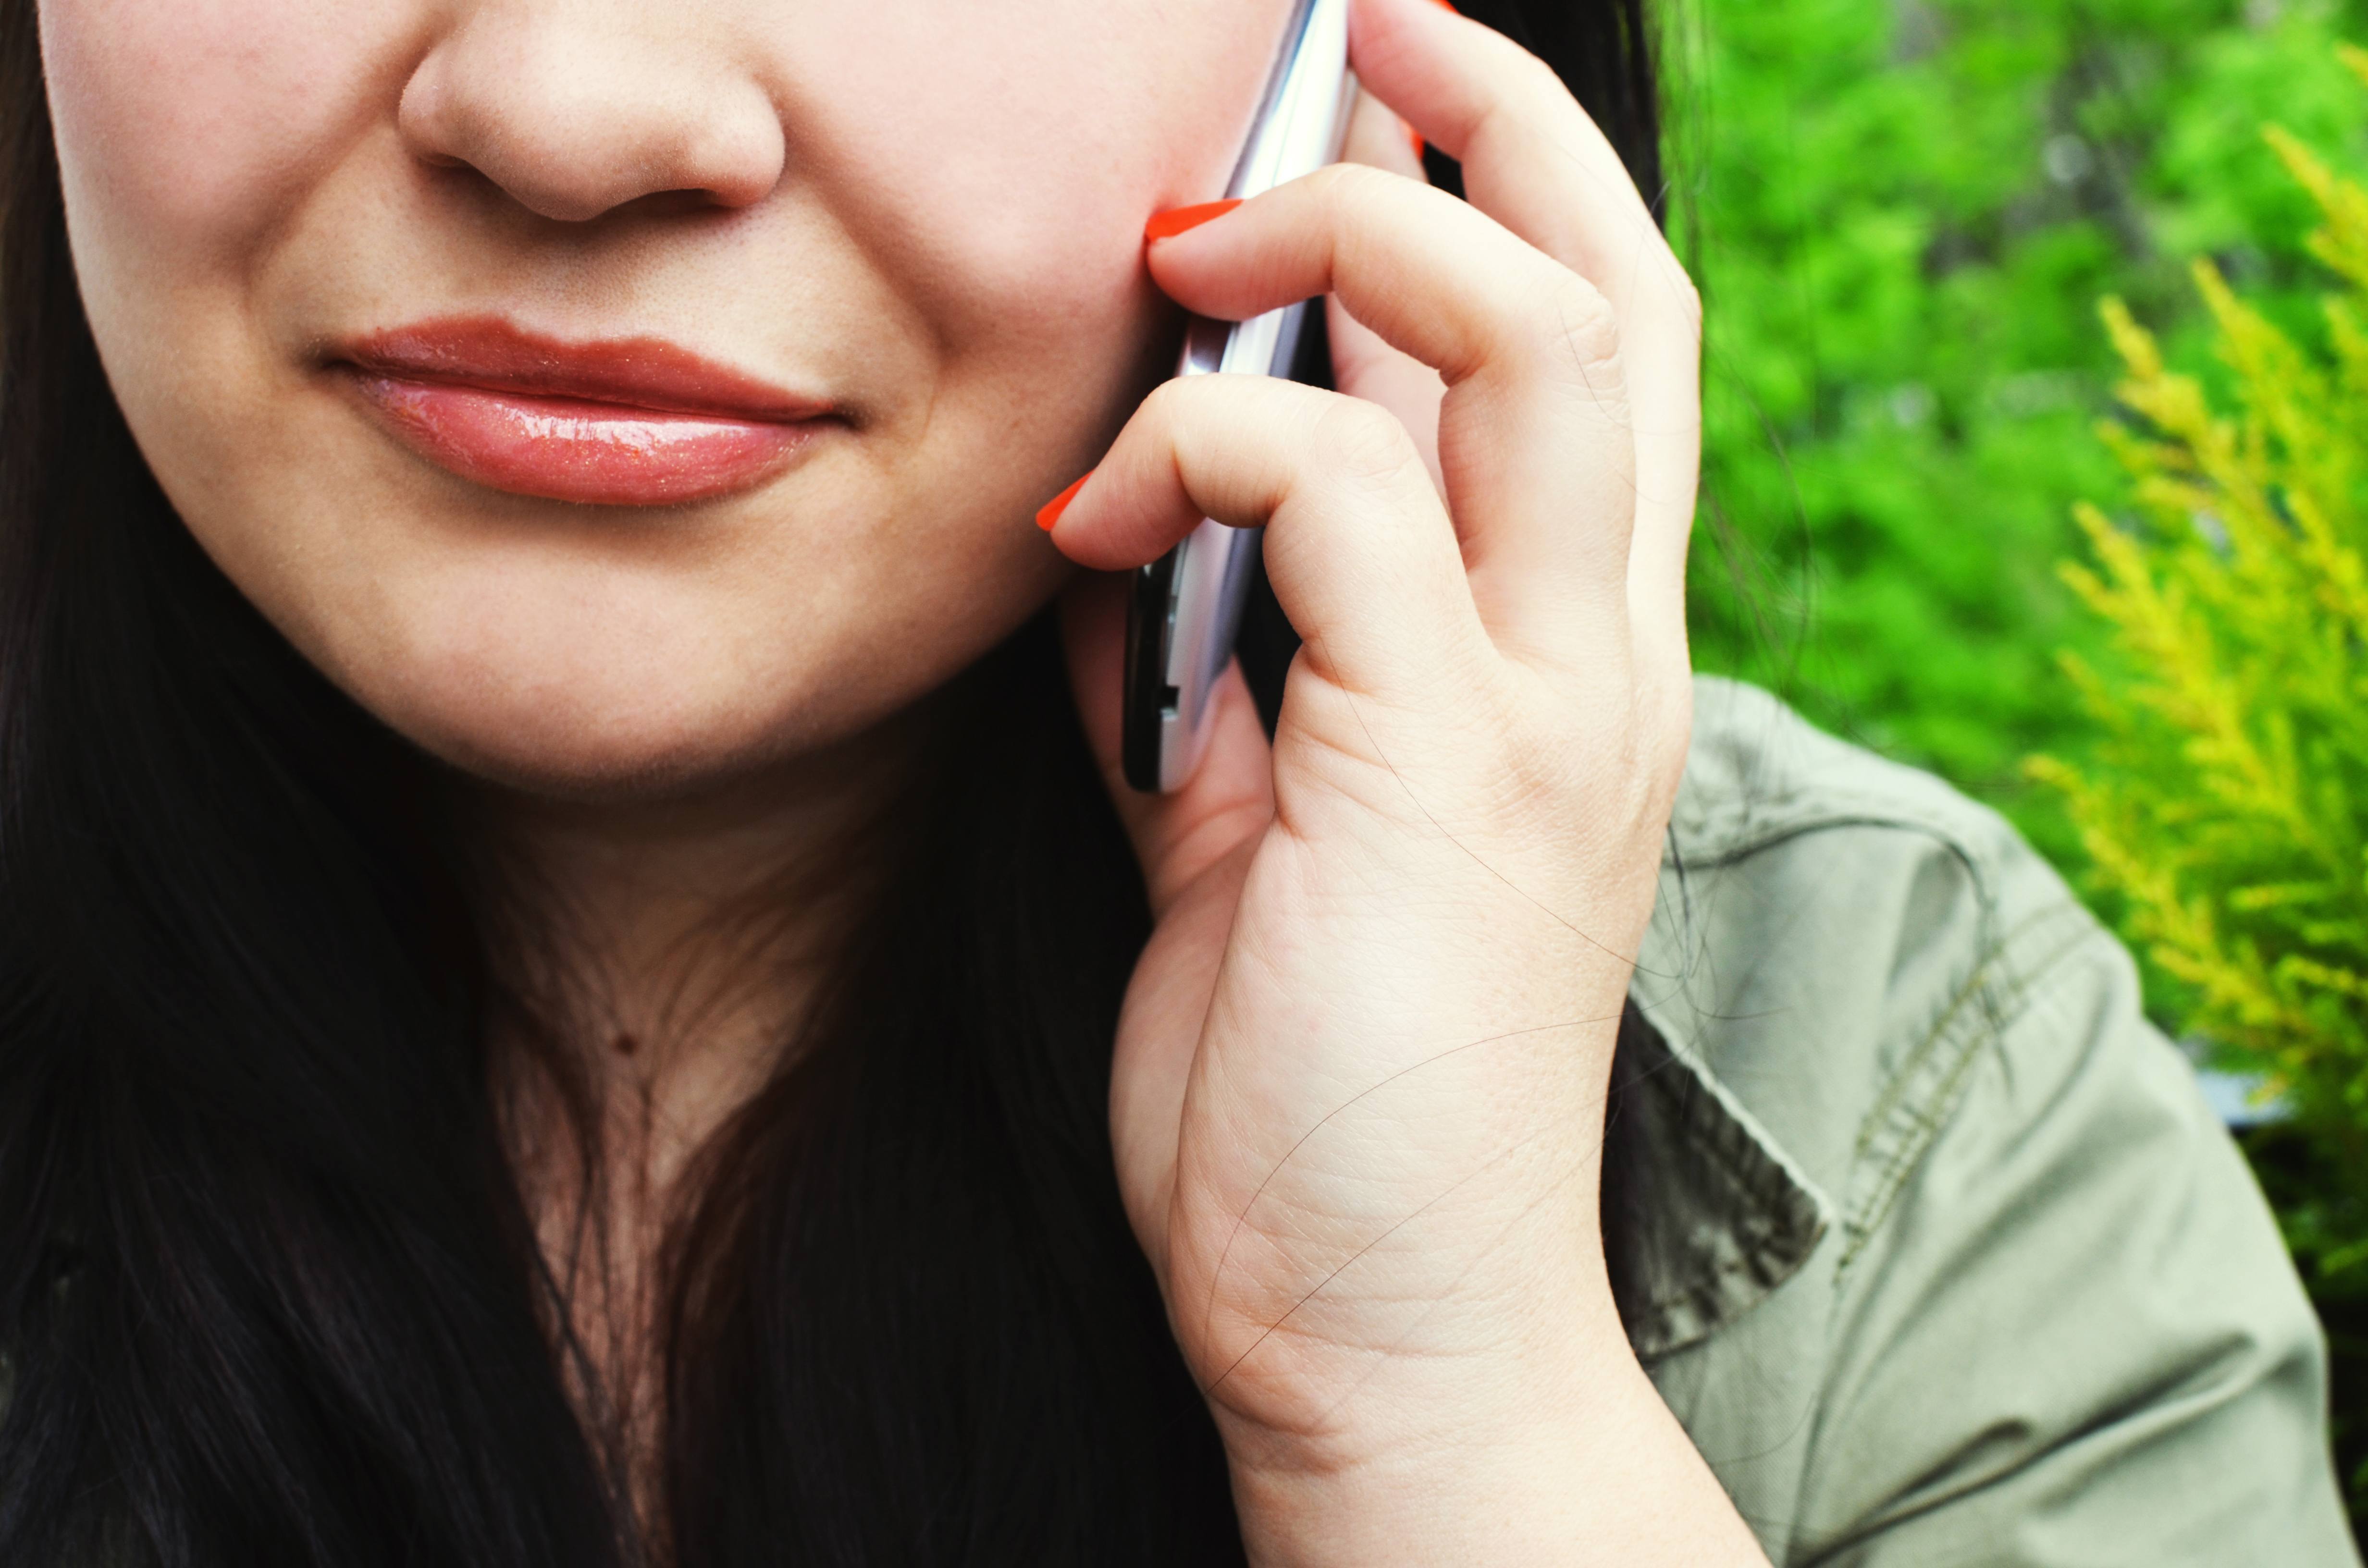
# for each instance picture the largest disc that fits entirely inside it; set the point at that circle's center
(1942, 1258)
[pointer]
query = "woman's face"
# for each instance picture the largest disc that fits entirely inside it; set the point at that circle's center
(615, 396)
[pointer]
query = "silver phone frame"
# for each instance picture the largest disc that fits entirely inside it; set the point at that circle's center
(1187, 605)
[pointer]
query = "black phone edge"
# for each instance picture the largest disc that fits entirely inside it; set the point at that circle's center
(1148, 698)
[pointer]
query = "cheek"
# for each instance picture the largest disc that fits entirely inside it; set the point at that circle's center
(1014, 177)
(190, 135)
(185, 128)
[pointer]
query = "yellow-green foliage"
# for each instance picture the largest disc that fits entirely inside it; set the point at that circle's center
(2225, 803)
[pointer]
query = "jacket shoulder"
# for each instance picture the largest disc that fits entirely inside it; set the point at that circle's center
(2050, 1318)
(1838, 938)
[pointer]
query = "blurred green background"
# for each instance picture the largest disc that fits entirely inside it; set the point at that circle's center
(1902, 214)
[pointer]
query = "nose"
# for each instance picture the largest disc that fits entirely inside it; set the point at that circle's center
(575, 108)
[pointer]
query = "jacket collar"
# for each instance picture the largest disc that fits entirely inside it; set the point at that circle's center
(1712, 1214)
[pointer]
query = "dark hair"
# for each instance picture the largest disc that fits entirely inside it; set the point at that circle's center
(267, 1289)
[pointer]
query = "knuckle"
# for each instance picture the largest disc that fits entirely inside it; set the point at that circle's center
(1610, 767)
(1190, 413)
(1528, 744)
(1582, 326)
(1571, 336)
(1359, 442)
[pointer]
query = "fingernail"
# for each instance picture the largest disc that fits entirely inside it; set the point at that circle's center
(1448, 6)
(1414, 137)
(1176, 220)
(1049, 513)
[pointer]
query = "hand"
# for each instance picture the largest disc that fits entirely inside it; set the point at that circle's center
(1359, 1089)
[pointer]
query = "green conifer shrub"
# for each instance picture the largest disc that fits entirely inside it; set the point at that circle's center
(2223, 803)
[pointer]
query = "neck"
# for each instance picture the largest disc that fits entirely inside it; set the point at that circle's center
(669, 949)
(661, 957)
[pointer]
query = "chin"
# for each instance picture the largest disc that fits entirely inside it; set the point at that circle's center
(604, 763)
(632, 731)
(599, 684)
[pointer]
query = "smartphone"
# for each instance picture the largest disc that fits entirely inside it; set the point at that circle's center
(1187, 605)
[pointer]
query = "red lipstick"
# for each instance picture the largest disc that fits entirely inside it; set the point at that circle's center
(616, 422)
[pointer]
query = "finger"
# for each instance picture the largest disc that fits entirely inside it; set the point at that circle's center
(1533, 160)
(1363, 364)
(1359, 550)
(1534, 441)
(1230, 797)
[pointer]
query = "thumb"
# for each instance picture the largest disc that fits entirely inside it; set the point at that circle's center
(1229, 798)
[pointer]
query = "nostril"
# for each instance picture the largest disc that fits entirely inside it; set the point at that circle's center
(573, 127)
(676, 203)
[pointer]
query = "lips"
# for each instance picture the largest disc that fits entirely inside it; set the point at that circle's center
(620, 422)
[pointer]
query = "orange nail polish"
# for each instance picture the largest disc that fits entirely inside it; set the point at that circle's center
(1448, 6)
(1176, 220)
(1049, 513)
(1415, 137)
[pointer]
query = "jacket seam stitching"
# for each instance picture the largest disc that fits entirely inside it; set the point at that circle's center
(1999, 993)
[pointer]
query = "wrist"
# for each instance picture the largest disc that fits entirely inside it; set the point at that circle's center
(1504, 1496)
(1580, 1462)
